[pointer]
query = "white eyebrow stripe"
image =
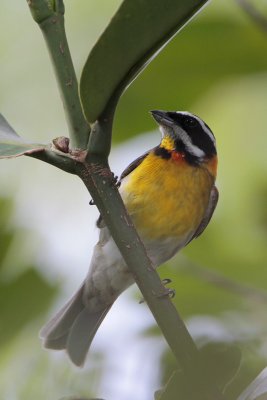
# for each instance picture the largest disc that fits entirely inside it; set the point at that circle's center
(191, 148)
(204, 127)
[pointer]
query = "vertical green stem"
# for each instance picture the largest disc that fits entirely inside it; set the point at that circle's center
(50, 18)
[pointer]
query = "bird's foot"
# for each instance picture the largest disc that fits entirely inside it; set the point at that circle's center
(115, 180)
(167, 292)
(166, 281)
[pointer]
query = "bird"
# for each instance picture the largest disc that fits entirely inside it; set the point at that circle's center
(170, 194)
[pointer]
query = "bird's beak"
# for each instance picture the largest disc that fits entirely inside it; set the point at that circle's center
(162, 118)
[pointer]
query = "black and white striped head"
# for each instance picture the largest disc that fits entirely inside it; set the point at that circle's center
(186, 133)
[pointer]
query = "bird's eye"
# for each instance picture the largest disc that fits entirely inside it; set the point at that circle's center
(190, 122)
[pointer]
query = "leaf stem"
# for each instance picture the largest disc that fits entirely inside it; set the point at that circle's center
(101, 134)
(57, 160)
(50, 17)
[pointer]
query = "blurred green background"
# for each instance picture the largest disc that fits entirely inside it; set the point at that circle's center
(216, 68)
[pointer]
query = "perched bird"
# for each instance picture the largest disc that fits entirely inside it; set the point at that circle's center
(170, 195)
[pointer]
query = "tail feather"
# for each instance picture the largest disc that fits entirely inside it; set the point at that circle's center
(82, 333)
(56, 344)
(73, 328)
(64, 318)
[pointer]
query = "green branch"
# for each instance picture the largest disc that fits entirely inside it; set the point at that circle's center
(58, 160)
(101, 134)
(50, 18)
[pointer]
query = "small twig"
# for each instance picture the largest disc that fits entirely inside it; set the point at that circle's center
(217, 279)
(254, 14)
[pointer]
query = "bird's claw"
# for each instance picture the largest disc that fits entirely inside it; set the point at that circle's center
(166, 281)
(167, 291)
(115, 180)
(91, 202)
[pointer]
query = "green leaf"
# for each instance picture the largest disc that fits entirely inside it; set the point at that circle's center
(12, 145)
(257, 390)
(182, 387)
(221, 361)
(136, 33)
(182, 82)
(21, 301)
(174, 389)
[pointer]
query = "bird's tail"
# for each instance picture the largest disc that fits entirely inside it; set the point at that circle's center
(73, 328)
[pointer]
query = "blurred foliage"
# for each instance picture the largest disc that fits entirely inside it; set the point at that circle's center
(174, 388)
(216, 67)
(257, 390)
(24, 297)
(210, 50)
(221, 362)
(21, 301)
(233, 366)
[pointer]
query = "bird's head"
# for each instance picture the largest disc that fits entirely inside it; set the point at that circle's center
(186, 133)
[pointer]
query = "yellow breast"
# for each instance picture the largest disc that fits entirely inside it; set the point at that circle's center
(166, 198)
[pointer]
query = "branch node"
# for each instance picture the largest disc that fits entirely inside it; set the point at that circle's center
(78, 155)
(62, 144)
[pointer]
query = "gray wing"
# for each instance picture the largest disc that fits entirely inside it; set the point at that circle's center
(100, 223)
(214, 196)
(134, 164)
